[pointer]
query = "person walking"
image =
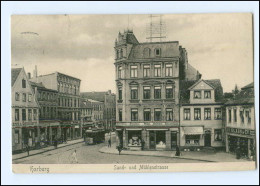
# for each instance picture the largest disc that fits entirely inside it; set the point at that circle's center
(178, 153)
(142, 144)
(27, 147)
(109, 143)
(55, 143)
(74, 157)
(119, 148)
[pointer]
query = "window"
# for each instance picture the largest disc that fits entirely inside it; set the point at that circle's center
(157, 115)
(186, 114)
(217, 135)
(23, 114)
(197, 94)
(207, 94)
(147, 114)
(197, 114)
(121, 53)
(157, 70)
(134, 93)
(24, 97)
(192, 140)
(16, 137)
(133, 72)
(30, 114)
(157, 52)
(30, 97)
(146, 70)
(168, 70)
(23, 83)
(218, 113)
(169, 115)
(229, 116)
(235, 115)
(157, 92)
(248, 117)
(16, 114)
(242, 117)
(134, 114)
(120, 93)
(17, 96)
(119, 72)
(117, 54)
(169, 92)
(120, 115)
(207, 113)
(147, 92)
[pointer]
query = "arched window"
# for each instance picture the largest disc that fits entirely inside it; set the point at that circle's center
(147, 52)
(119, 72)
(121, 53)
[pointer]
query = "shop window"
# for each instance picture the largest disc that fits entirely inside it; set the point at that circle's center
(169, 115)
(147, 114)
(218, 135)
(197, 114)
(157, 92)
(134, 138)
(133, 71)
(207, 113)
(168, 70)
(16, 137)
(146, 70)
(147, 92)
(134, 114)
(169, 92)
(192, 140)
(16, 114)
(134, 93)
(207, 94)
(23, 83)
(186, 114)
(218, 114)
(157, 70)
(157, 115)
(197, 94)
(160, 140)
(17, 96)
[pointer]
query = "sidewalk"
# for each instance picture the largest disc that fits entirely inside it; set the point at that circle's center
(199, 156)
(45, 149)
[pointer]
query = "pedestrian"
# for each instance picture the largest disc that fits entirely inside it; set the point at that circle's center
(55, 143)
(142, 144)
(109, 143)
(238, 153)
(119, 148)
(27, 149)
(74, 157)
(178, 153)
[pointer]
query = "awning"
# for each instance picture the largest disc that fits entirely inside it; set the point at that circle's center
(193, 130)
(134, 129)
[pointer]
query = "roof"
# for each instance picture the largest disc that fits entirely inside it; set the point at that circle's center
(40, 86)
(186, 84)
(85, 104)
(94, 101)
(195, 84)
(14, 74)
(99, 96)
(251, 85)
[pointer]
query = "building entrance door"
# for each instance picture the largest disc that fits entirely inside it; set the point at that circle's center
(173, 140)
(207, 139)
(152, 140)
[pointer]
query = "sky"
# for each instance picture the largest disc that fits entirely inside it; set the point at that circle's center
(219, 45)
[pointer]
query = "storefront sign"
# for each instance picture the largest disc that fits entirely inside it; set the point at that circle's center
(240, 131)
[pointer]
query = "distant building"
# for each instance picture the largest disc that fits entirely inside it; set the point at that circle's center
(86, 111)
(240, 122)
(25, 109)
(147, 80)
(201, 114)
(109, 100)
(97, 112)
(68, 88)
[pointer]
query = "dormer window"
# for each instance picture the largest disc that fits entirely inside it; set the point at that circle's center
(197, 94)
(207, 94)
(157, 52)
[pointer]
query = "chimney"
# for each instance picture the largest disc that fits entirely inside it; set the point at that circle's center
(35, 72)
(29, 75)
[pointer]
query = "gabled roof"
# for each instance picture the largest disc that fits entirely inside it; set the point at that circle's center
(14, 74)
(200, 80)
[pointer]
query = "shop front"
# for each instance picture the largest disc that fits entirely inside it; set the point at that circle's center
(134, 139)
(157, 139)
(192, 137)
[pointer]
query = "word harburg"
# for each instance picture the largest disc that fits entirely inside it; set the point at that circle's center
(141, 167)
(39, 169)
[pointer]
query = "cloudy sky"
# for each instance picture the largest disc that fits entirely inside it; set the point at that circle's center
(219, 45)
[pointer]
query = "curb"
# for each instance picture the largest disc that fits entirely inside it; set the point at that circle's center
(45, 151)
(157, 156)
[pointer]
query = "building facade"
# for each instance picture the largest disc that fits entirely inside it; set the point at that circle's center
(240, 122)
(97, 112)
(86, 112)
(49, 123)
(68, 109)
(201, 114)
(25, 109)
(147, 80)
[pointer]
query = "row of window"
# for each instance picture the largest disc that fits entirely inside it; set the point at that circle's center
(197, 94)
(68, 80)
(207, 114)
(46, 96)
(68, 102)
(147, 71)
(244, 115)
(25, 97)
(146, 53)
(48, 113)
(27, 114)
(70, 89)
(147, 114)
(169, 90)
(68, 116)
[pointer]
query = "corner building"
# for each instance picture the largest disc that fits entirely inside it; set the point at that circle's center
(147, 80)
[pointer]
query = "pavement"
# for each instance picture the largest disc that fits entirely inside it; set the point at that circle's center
(45, 149)
(191, 155)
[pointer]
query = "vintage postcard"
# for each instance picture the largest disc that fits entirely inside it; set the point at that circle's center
(132, 93)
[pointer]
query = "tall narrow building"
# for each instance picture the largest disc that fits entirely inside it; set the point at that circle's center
(147, 80)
